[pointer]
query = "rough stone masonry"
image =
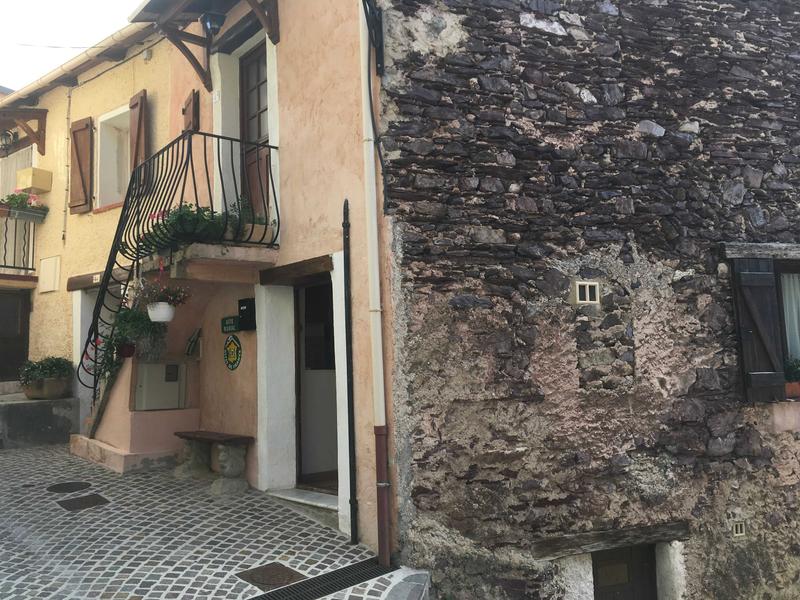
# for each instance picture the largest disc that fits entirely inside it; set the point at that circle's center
(530, 143)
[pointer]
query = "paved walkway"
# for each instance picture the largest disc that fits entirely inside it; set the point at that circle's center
(156, 538)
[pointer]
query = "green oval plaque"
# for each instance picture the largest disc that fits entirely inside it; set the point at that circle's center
(233, 352)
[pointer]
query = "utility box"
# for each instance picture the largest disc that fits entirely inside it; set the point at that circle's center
(160, 386)
(34, 181)
(247, 314)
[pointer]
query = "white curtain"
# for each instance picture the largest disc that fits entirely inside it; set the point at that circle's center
(790, 282)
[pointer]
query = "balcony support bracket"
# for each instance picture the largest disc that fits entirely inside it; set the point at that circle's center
(179, 39)
(21, 119)
(267, 15)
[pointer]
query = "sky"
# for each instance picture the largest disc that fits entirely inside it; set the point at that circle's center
(30, 27)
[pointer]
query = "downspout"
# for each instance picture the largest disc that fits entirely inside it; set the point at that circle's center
(375, 313)
(351, 408)
(67, 166)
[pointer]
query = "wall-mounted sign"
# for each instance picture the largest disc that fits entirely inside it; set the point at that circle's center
(230, 324)
(233, 352)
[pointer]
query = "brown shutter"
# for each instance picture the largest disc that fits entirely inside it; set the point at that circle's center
(759, 324)
(191, 112)
(81, 182)
(138, 132)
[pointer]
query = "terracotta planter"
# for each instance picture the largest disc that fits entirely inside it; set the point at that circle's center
(126, 350)
(160, 312)
(793, 389)
(48, 389)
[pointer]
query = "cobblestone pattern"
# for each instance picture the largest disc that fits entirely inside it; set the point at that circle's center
(158, 537)
(532, 142)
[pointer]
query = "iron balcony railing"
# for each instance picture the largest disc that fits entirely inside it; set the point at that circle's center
(199, 188)
(17, 237)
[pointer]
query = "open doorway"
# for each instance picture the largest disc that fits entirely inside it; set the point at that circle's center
(317, 460)
(15, 309)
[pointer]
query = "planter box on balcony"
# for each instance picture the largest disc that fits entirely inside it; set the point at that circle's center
(34, 181)
(23, 214)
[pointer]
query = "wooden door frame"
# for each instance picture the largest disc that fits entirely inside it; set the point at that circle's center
(25, 314)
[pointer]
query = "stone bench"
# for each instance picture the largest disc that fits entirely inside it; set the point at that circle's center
(209, 452)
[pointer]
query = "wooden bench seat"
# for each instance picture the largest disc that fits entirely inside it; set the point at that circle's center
(212, 451)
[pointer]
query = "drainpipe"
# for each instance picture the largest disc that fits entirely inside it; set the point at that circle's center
(375, 313)
(351, 408)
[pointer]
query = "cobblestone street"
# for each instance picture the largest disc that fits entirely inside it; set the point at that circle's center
(156, 538)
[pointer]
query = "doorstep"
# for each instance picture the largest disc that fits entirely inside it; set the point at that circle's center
(116, 459)
(309, 498)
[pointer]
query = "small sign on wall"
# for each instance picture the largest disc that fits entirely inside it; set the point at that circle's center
(233, 352)
(230, 324)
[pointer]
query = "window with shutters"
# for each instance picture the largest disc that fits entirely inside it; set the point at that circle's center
(113, 160)
(767, 303)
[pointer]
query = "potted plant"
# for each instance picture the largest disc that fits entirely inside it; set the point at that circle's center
(246, 225)
(161, 300)
(133, 328)
(791, 372)
(48, 378)
(24, 206)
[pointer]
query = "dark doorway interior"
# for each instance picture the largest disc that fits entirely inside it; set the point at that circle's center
(15, 311)
(316, 412)
(625, 574)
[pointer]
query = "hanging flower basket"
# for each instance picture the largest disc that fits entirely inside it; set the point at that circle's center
(161, 312)
(126, 350)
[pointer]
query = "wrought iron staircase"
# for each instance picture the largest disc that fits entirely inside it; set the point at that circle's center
(200, 187)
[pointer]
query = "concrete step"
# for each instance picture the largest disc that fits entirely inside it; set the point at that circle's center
(323, 508)
(10, 387)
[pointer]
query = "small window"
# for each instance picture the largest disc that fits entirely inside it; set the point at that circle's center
(586, 292)
(739, 529)
(790, 288)
(113, 163)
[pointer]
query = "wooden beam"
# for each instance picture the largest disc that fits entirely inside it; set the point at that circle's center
(91, 280)
(268, 17)
(772, 250)
(594, 541)
(292, 273)
(18, 282)
(174, 35)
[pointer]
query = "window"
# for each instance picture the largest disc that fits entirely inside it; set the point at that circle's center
(585, 292)
(113, 163)
(767, 301)
(253, 94)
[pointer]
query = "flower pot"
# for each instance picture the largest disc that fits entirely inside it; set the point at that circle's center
(126, 350)
(793, 389)
(48, 389)
(160, 312)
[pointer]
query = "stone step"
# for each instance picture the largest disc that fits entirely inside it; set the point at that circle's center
(10, 387)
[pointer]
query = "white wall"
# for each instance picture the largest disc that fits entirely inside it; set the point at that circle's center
(275, 441)
(340, 354)
(82, 307)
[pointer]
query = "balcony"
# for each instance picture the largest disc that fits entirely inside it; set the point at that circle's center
(201, 188)
(17, 236)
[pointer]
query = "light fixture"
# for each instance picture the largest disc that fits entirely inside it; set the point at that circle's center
(212, 22)
(7, 139)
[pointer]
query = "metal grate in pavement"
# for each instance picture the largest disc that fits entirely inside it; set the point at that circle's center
(69, 487)
(82, 502)
(329, 583)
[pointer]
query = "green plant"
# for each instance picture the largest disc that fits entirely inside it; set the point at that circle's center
(132, 326)
(155, 291)
(23, 200)
(51, 367)
(183, 225)
(791, 369)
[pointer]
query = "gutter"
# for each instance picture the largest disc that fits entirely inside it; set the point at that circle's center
(74, 66)
(375, 312)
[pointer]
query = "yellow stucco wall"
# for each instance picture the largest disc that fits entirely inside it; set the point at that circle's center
(321, 164)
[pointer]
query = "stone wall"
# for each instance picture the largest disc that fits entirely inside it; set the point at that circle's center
(533, 142)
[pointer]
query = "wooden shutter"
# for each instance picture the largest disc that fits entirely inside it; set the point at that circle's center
(81, 182)
(191, 112)
(138, 130)
(759, 324)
